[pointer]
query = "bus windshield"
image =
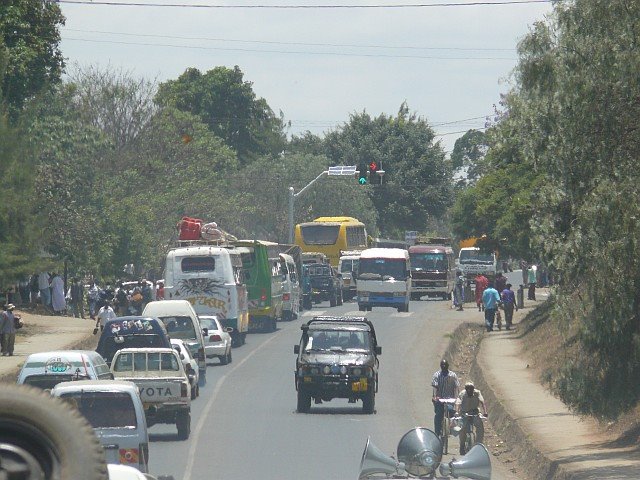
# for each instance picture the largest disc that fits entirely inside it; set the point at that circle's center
(382, 268)
(320, 234)
(349, 265)
(431, 262)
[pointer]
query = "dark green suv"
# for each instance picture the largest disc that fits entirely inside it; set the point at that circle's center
(337, 358)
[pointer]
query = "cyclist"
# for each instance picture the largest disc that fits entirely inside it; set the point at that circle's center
(445, 385)
(470, 401)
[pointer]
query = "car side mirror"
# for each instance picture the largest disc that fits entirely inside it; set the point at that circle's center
(176, 348)
(181, 356)
(205, 331)
(296, 349)
(378, 350)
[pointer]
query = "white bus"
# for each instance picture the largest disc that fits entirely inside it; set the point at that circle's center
(211, 279)
(384, 279)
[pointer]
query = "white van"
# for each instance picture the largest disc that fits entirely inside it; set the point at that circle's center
(115, 411)
(46, 369)
(212, 280)
(348, 268)
(384, 279)
(291, 294)
(181, 321)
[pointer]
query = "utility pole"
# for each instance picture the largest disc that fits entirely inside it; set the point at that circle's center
(338, 170)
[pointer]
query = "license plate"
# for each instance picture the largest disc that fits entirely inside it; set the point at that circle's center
(360, 386)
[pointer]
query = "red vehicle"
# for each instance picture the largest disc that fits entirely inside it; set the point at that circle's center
(432, 270)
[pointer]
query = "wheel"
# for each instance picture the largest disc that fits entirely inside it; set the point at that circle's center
(183, 424)
(369, 401)
(333, 300)
(274, 325)
(469, 442)
(444, 438)
(197, 391)
(340, 299)
(406, 307)
(229, 357)
(362, 308)
(224, 359)
(304, 401)
(194, 392)
(369, 308)
(400, 309)
(43, 434)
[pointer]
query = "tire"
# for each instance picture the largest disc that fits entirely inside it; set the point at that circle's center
(340, 299)
(369, 308)
(400, 309)
(333, 300)
(469, 442)
(369, 402)
(194, 392)
(362, 308)
(197, 391)
(229, 358)
(224, 359)
(444, 438)
(304, 401)
(51, 434)
(406, 307)
(183, 424)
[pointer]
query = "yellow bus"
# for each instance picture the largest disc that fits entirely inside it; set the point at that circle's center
(330, 235)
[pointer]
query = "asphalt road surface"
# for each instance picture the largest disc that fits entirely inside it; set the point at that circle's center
(245, 425)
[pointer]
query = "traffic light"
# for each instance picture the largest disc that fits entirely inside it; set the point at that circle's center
(373, 167)
(373, 173)
(363, 175)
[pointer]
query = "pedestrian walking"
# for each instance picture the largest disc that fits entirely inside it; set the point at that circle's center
(445, 384)
(33, 286)
(160, 290)
(458, 292)
(524, 266)
(93, 295)
(105, 314)
(122, 300)
(501, 282)
(491, 301)
(147, 293)
(43, 285)
(9, 323)
(531, 294)
(508, 305)
(482, 283)
(76, 295)
(58, 301)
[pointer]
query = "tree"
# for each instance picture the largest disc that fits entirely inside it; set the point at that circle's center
(227, 104)
(29, 30)
(417, 182)
(468, 153)
(113, 101)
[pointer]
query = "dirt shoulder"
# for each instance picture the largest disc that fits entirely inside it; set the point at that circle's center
(42, 333)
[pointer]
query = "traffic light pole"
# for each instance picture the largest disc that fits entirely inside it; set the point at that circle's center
(338, 170)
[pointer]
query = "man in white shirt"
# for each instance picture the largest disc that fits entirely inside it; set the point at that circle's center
(43, 286)
(105, 314)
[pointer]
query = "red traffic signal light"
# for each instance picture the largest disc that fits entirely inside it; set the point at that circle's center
(373, 167)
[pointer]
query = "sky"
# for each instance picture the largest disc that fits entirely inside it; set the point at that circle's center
(319, 65)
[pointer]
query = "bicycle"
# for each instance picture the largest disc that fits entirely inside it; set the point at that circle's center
(446, 423)
(468, 426)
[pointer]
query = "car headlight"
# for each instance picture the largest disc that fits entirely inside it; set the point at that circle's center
(326, 370)
(343, 370)
(315, 371)
(357, 371)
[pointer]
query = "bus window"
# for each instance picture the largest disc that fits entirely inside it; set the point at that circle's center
(320, 234)
(198, 264)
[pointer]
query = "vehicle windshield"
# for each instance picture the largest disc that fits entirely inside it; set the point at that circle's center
(179, 327)
(431, 262)
(104, 409)
(209, 323)
(335, 340)
(319, 271)
(382, 268)
(47, 382)
(320, 234)
(349, 265)
(143, 361)
(112, 344)
(476, 256)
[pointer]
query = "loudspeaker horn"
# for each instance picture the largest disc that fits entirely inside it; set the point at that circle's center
(476, 464)
(375, 461)
(421, 451)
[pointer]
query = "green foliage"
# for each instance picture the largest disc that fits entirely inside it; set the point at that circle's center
(29, 30)
(417, 182)
(564, 155)
(227, 104)
(467, 156)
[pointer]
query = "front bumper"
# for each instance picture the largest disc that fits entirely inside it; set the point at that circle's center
(381, 301)
(335, 386)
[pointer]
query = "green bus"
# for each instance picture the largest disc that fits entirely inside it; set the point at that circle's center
(264, 280)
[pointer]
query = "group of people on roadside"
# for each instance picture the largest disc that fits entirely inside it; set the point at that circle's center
(493, 295)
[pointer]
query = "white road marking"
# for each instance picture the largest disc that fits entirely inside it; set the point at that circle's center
(203, 416)
(401, 314)
(354, 313)
(313, 313)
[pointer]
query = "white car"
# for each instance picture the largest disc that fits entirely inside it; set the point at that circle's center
(188, 360)
(217, 341)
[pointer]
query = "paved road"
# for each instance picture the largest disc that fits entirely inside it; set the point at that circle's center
(245, 424)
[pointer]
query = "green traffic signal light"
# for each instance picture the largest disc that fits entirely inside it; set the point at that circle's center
(363, 179)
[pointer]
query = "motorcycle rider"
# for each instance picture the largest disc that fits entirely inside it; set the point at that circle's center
(469, 402)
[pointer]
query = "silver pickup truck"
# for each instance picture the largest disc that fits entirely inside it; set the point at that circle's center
(163, 384)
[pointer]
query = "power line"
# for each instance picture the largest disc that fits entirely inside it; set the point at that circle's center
(298, 6)
(306, 44)
(286, 52)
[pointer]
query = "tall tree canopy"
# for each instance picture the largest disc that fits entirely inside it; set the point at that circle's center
(416, 186)
(29, 29)
(228, 105)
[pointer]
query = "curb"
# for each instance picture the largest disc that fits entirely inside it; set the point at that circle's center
(89, 342)
(533, 462)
